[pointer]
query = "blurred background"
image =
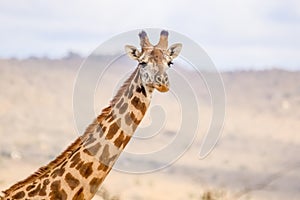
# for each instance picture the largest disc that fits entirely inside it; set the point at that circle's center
(254, 44)
(248, 34)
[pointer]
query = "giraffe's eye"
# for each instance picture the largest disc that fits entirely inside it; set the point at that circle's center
(170, 64)
(143, 64)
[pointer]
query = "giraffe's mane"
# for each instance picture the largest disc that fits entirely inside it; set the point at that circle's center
(77, 143)
(125, 85)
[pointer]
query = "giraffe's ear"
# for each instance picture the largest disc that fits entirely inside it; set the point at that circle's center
(132, 52)
(174, 50)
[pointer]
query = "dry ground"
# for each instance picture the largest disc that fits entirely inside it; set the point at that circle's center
(256, 158)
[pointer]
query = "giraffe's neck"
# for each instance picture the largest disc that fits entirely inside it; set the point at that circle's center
(79, 171)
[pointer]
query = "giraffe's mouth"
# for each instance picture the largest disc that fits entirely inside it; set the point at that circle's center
(161, 88)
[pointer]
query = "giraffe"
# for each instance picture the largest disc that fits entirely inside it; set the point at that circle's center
(78, 172)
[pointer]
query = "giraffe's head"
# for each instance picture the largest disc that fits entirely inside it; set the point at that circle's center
(154, 60)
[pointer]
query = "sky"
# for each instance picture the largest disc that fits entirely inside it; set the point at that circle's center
(236, 34)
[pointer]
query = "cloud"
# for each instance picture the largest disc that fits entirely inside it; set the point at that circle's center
(253, 31)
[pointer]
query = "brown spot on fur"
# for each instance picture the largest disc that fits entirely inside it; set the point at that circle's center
(113, 158)
(134, 126)
(86, 170)
(119, 140)
(104, 114)
(94, 184)
(136, 102)
(75, 160)
(63, 194)
(122, 140)
(101, 130)
(113, 129)
(64, 163)
(90, 140)
(134, 119)
(120, 103)
(132, 116)
(126, 92)
(43, 189)
(93, 150)
(103, 167)
(46, 182)
(110, 117)
(79, 195)
(19, 195)
(123, 108)
(141, 89)
(55, 185)
(58, 172)
(130, 93)
(30, 187)
(75, 157)
(35, 191)
(79, 165)
(71, 181)
(126, 140)
(104, 158)
(57, 192)
(128, 119)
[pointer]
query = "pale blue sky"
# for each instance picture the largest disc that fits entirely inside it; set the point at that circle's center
(235, 33)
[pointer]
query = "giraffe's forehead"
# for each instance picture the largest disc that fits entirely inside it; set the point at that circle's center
(155, 55)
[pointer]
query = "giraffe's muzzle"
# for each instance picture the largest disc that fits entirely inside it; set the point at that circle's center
(161, 82)
(162, 88)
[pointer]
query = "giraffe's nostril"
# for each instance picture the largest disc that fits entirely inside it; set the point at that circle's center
(158, 78)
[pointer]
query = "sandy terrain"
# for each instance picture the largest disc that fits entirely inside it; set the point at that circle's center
(256, 157)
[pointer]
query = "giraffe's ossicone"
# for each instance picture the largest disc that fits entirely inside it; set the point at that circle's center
(79, 171)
